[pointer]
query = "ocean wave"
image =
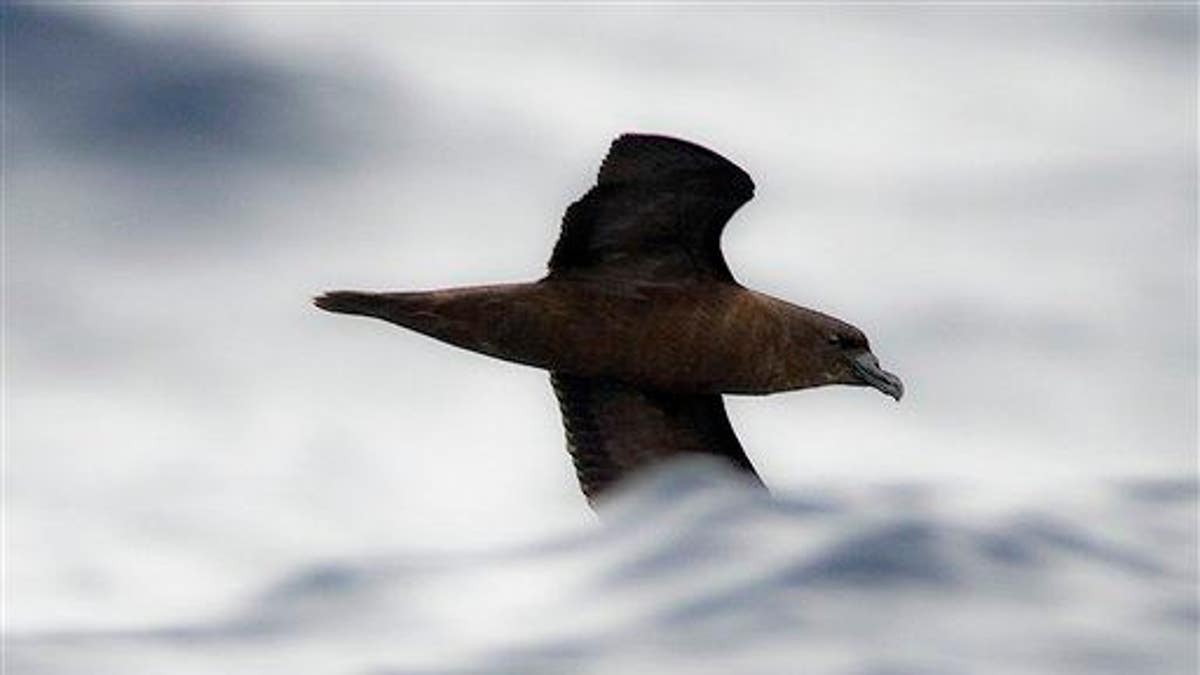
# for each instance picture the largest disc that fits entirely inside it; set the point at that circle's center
(694, 571)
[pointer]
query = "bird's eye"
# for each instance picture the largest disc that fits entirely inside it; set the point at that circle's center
(845, 341)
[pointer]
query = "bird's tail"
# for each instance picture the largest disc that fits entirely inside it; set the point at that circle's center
(483, 319)
(379, 305)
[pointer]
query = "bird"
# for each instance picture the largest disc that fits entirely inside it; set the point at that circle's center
(639, 320)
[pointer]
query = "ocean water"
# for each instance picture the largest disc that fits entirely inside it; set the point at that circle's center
(693, 571)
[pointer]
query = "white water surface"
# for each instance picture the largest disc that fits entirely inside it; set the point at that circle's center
(694, 571)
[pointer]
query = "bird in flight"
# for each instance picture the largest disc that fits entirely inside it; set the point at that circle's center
(639, 321)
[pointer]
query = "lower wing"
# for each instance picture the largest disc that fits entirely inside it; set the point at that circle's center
(615, 430)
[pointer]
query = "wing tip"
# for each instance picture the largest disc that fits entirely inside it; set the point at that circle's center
(633, 154)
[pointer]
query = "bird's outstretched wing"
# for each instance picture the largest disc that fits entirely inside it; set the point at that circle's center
(614, 429)
(655, 214)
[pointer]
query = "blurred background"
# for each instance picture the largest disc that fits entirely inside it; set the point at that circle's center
(1002, 196)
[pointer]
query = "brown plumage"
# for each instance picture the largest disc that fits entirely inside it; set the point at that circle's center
(639, 321)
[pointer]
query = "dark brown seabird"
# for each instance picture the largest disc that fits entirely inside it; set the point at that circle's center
(639, 320)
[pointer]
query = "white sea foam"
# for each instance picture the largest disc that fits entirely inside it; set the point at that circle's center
(692, 571)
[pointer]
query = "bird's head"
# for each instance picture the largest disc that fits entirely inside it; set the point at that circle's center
(831, 351)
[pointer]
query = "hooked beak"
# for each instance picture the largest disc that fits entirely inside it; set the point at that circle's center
(867, 367)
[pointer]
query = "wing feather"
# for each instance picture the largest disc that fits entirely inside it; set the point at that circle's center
(656, 214)
(614, 430)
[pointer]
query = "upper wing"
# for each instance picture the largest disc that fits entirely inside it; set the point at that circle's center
(614, 430)
(656, 213)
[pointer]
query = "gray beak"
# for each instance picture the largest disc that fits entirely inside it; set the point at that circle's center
(867, 367)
